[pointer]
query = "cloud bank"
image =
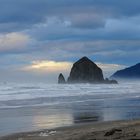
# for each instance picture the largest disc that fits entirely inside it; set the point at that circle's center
(63, 31)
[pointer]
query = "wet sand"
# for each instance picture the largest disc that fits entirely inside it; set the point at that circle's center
(113, 130)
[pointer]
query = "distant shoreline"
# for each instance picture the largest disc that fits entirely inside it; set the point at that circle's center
(121, 130)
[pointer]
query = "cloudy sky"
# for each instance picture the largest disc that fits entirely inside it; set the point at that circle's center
(40, 38)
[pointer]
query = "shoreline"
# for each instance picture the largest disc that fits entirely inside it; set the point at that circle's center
(121, 130)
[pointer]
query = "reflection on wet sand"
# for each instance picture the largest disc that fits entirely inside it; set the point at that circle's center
(86, 117)
(61, 116)
(47, 117)
(87, 112)
(52, 121)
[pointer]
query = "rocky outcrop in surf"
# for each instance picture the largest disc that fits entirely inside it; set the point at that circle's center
(61, 79)
(85, 71)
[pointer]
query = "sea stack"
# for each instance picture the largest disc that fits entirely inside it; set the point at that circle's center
(85, 71)
(61, 79)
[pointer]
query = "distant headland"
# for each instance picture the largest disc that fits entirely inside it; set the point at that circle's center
(132, 72)
(85, 71)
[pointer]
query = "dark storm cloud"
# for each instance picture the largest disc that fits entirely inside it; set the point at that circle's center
(48, 21)
(20, 14)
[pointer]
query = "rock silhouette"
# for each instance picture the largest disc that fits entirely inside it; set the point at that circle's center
(132, 72)
(85, 71)
(61, 79)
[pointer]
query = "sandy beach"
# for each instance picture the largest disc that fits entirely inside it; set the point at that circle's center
(113, 130)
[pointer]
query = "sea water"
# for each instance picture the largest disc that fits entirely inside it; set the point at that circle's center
(29, 107)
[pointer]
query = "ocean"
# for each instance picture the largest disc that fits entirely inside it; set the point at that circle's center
(30, 107)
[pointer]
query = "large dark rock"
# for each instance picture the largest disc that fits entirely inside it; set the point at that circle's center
(85, 71)
(132, 72)
(61, 79)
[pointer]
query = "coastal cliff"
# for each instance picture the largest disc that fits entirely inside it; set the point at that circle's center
(132, 72)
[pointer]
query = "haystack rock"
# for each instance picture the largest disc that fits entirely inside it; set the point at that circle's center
(61, 79)
(85, 71)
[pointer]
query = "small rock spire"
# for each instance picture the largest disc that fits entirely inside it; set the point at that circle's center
(61, 79)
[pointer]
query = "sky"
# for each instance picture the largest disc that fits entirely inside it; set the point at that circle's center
(41, 38)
